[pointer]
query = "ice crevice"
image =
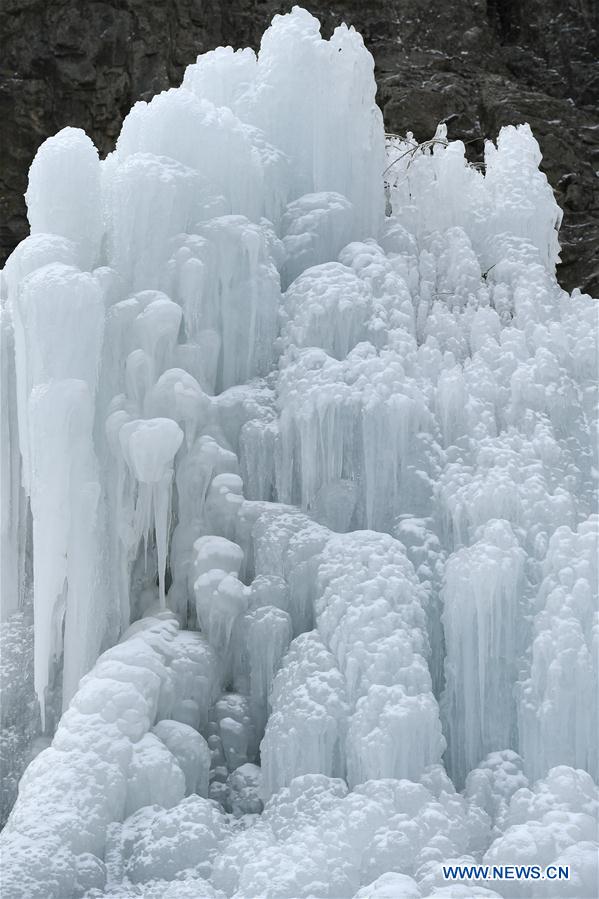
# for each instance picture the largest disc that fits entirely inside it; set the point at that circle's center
(299, 477)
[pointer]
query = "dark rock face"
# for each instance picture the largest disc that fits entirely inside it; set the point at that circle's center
(476, 64)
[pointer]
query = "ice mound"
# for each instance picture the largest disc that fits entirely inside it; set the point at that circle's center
(103, 764)
(491, 785)
(299, 484)
(316, 838)
(306, 730)
(556, 822)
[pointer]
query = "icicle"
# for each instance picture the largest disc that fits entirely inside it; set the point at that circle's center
(483, 619)
(150, 447)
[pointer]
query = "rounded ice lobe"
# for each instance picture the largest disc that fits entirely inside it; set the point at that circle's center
(157, 327)
(220, 598)
(63, 196)
(244, 790)
(492, 784)
(191, 752)
(217, 552)
(161, 843)
(554, 820)
(150, 446)
(326, 306)
(177, 395)
(306, 729)
(378, 735)
(315, 227)
(155, 776)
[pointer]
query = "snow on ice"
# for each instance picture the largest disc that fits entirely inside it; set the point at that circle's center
(298, 477)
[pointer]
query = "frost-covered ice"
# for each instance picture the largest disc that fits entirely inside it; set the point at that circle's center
(298, 474)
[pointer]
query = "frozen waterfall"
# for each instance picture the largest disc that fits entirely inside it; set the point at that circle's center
(298, 496)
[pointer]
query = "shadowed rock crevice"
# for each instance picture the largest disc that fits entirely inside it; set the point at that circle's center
(504, 16)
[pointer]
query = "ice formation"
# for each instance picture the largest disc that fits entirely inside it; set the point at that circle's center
(298, 478)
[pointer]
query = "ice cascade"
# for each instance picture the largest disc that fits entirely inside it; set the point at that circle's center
(298, 469)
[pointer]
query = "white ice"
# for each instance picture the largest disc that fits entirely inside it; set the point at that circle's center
(298, 471)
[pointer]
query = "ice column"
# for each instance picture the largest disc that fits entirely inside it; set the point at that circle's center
(13, 501)
(483, 621)
(63, 196)
(558, 707)
(333, 138)
(59, 318)
(306, 730)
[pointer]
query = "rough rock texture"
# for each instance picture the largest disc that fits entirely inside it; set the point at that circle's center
(477, 64)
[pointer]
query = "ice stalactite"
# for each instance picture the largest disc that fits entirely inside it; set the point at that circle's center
(484, 619)
(14, 506)
(336, 417)
(56, 386)
(149, 447)
(557, 708)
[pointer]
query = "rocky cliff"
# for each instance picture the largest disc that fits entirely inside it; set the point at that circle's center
(476, 64)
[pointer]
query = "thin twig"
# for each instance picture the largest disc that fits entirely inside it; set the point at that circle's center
(425, 145)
